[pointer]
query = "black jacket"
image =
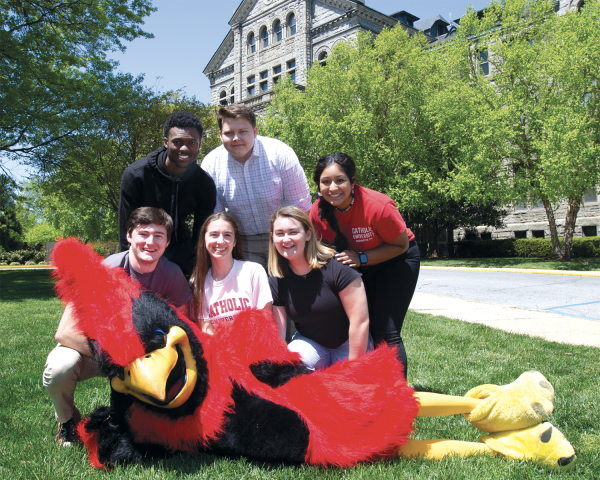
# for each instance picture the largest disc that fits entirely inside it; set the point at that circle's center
(147, 183)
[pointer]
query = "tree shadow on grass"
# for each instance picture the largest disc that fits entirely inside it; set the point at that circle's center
(22, 285)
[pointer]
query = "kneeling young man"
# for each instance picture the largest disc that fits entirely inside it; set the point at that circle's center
(148, 233)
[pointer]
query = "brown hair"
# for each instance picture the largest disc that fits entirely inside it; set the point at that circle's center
(315, 252)
(236, 111)
(203, 261)
(148, 215)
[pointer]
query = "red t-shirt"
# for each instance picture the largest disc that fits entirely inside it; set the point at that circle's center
(372, 220)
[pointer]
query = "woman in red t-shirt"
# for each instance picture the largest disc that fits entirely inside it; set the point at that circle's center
(367, 230)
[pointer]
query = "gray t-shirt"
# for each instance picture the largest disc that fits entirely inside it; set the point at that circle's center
(166, 281)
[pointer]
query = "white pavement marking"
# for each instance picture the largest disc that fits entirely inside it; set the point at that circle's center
(547, 325)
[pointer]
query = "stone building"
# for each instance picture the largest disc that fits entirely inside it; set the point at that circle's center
(271, 38)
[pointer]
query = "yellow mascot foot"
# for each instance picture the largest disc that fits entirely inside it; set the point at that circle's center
(543, 443)
(527, 401)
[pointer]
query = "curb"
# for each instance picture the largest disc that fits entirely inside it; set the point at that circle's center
(27, 267)
(518, 270)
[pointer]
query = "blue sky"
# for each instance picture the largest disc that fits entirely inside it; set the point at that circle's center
(188, 32)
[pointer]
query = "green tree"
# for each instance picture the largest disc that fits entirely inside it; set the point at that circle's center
(528, 130)
(11, 231)
(86, 168)
(371, 102)
(51, 55)
(46, 214)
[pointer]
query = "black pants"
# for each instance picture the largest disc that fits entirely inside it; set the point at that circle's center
(390, 287)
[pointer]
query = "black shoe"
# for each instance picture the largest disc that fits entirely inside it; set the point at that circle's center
(67, 432)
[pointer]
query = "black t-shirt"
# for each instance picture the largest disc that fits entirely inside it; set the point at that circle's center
(314, 304)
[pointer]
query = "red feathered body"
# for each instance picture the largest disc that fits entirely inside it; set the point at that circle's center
(354, 411)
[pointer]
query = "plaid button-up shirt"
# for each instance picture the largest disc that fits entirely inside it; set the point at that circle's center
(270, 179)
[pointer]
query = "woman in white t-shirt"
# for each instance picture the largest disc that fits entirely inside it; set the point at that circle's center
(223, 284)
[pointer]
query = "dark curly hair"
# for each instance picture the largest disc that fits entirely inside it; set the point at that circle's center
(183, 120)
(326, 210)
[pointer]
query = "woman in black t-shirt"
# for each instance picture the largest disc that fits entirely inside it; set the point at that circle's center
(325, 299)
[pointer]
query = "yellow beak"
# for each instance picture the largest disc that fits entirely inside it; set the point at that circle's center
(165, 377)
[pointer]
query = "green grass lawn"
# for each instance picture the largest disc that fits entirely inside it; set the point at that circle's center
(445, 356)
(578, 264)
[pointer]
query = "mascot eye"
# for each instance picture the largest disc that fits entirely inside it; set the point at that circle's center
(159, 339)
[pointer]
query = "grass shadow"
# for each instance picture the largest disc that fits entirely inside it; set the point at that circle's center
(23, 285)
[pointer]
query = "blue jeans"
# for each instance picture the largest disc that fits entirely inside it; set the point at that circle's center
(317, 357)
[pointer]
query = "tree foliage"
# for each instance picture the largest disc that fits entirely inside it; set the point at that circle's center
(11, 230)
(529, 130)
(371, 101)
(52, 58)
(83, 173)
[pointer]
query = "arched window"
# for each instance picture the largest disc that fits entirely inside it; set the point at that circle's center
(291, 21)
(277, 31)
(223, 98)
(251, 43)
(264, 37)
(232, 97)
(322, 58)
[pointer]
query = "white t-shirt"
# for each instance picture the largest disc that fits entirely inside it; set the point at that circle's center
(245, 286)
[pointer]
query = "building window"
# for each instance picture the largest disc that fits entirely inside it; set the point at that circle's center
(223, 98)
(251, 91)
(277, 31)
(484, 64)
(291, 66)
(264, 87)
(251, 79)
(251, 44)
(322, 58)
(590, 195)
(264, 75)
(264, 37)
(232, 97)
(522, 234)
(291, 22)
(538, 234)
(486, 236)
(276, 73)
(589, 231)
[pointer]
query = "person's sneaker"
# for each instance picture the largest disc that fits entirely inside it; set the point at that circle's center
(67, 432)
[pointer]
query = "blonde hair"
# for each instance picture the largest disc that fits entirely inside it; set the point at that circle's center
(315, 253)
(203, 261)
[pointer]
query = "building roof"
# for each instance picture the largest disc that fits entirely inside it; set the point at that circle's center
(428, 22)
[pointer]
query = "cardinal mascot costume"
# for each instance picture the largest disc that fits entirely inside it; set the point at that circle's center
(241, 392)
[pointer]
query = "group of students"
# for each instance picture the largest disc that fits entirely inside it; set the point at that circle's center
(343, 298)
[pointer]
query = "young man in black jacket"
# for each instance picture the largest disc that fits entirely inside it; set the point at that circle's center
(171, 179)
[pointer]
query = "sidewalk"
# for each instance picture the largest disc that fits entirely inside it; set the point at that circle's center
(550, 326)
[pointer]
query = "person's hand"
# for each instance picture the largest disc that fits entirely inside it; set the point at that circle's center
(207, 327)
(348, 257)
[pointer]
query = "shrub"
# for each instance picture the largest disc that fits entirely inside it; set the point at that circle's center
(21, 257)
(587, 247)
(533, 247)
(106, 248)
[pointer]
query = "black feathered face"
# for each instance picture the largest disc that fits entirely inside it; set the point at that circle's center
(172, 376)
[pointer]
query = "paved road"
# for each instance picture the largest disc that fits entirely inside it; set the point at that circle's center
(562, 294)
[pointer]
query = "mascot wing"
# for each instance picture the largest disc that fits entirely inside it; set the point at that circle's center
(101, 298)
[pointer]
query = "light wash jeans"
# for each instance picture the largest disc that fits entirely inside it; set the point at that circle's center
(316, 356)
